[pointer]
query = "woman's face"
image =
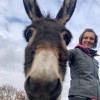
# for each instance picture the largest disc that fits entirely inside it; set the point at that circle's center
(88, 39)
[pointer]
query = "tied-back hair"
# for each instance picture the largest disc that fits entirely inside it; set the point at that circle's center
(89, 30)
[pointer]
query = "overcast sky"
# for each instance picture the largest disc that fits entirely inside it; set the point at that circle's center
(13, 20)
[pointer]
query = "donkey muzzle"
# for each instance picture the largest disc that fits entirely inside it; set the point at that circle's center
(45, 90)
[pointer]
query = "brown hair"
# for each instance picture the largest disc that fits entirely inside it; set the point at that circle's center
(89, 30)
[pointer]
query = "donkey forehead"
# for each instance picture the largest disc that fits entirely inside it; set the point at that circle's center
(48, 25)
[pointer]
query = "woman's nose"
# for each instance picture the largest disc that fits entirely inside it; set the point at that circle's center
(88, 39)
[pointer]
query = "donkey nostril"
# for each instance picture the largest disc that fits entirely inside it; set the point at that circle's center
(54, 88)
(30, 86)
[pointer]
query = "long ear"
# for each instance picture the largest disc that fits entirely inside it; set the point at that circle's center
(66, 11)
(32, 9)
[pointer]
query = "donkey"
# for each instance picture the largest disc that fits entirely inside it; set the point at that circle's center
(46, 53)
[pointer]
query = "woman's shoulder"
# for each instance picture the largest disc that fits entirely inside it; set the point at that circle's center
(75, 50)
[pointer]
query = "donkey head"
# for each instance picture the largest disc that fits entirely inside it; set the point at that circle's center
(46, 54)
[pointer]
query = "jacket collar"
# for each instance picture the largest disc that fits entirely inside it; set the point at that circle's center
(89, 52)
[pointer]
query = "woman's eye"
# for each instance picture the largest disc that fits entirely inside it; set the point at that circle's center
(28, 34)
(91, 38)
(85, 37)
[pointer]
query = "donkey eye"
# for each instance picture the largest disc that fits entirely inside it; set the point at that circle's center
(67, 37)
(28, 34)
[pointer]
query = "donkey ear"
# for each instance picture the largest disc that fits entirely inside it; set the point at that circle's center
(66, 11)
(32, 9)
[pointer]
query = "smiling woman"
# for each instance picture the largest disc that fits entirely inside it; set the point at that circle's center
(88, 38)
(85, 83)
